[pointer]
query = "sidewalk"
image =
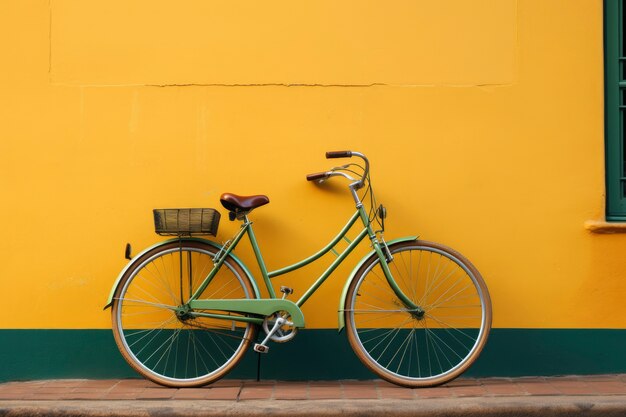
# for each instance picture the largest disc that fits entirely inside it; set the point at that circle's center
(601, 395)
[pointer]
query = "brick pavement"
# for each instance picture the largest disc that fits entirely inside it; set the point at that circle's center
(245, 390)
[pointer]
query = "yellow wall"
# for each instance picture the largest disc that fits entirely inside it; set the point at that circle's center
(482, 118)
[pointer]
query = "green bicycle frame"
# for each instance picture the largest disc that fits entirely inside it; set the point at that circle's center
(268, 306)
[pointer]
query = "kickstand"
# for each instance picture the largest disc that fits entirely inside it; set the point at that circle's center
(258, 367)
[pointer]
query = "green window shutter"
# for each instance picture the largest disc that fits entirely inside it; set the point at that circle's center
(615, 108)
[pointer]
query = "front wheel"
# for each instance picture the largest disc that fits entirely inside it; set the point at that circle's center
(161, 339)
(418, 348)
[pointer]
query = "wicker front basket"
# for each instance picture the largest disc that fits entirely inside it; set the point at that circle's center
(186, 222)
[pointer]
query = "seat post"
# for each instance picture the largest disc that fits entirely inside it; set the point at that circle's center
(259, 256)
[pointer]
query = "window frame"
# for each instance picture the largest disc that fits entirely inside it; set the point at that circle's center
(615, 109)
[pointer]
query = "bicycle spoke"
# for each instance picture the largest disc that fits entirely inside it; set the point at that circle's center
(405, 277)
(374, 319)
(388, 333)
(151, 331)
(452, 328)
(442, 342)
(142, 302)
(158, 276)
(437, 302)
(406, 342)
(167, 350)
(431, 289)
(417, 354)
(199, 354)
(383, 284)
(169, 339)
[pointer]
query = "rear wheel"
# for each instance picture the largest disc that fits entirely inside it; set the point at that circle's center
(158, 336)
(412, 348)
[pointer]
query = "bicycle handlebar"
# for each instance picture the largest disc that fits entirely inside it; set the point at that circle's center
(320, 176)
(338, 154)
(316, 176)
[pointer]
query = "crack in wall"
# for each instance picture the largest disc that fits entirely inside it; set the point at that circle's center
(290, 85)
(287, 85)
(50, 41)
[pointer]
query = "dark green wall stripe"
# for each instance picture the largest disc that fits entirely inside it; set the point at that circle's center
(315, 354)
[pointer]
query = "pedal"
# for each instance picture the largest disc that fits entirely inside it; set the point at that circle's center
(261, 348)
(286, 290)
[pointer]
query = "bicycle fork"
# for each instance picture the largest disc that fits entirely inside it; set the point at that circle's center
(385, 257)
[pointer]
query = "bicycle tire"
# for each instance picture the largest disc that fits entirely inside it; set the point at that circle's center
(402, 347)
(172, 349)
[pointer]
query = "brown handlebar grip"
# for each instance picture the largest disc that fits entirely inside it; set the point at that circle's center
(317, 176)
(338, 154)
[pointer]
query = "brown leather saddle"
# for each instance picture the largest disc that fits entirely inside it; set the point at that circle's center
(242, 204)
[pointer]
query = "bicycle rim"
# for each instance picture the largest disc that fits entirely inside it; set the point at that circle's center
(404, 347)
(157, 338)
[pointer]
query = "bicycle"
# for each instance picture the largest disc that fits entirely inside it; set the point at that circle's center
(185, 310)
